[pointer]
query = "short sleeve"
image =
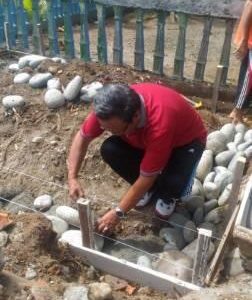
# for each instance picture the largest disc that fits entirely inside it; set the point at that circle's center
(90, 127)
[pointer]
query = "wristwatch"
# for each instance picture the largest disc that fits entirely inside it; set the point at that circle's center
(120, 213)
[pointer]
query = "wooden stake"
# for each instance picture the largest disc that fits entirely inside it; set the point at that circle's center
(200, 260)
(41, 40)
(86, 223)
(234, 199)
(216, 88)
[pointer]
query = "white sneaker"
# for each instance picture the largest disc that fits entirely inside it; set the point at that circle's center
(144, 200)
(164, 210)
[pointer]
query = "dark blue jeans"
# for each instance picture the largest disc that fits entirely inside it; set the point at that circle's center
(175, 179)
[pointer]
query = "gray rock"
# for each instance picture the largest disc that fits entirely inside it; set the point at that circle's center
(21, 202)
(2, 260)
(76, 293)
(40, 80)
(173, 236)
(198, 216)
(144, 261)
(58, 225)
(193, 202)
(223, 199)
(168, 247)
(13, 67)
(248, 136)
(189, 231)
(36, 62)
(232, 146)
(53, 83)
(248, 153)
(175, 263)
(229, 131)
(73, 88)
(212, 190)
(233, 263)
(25, 60)
(210, 205)
(183, 211)
(240, 127)
(54, 98)
(205, 165)
(177, 220)
(69, 214)
(3, 238)
(13, 101)
(56, 59)
(99, 291)
(190, 250)
(43, 202)
(90, 90)
(233, 162)
(197, 188)
(216, 215)
(224, 158)
(216, 141)
(30, 273)
(85, 99)
(22, 78)
(9, 192)
(239, 138)
(209, 226)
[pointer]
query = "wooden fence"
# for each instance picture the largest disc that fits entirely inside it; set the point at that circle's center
(24, 32)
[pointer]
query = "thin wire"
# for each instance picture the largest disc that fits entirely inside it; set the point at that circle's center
(140, 250)
(36, 178)
(105, 237)
(65, 188)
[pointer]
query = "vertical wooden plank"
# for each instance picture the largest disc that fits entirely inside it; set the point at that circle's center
(180, 50)
(68, 29)
(86, 225)
(35, 22)
(200, 259)
(102, 41)
(52, 28)
(225, 54)
(12, 19)
(158, 61)
(118, 36)
(22, 30)
(6, 35)
(84, 42)
(139, 46)
(202, 56)
(216, 88)
(1, 24)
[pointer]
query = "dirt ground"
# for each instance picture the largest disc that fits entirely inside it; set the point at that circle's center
(40, 168)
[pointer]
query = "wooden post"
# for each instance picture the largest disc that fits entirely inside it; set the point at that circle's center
(233, 200)
(68, 29)
(179, 60)
(118, 36)
(35, 21)
(6, 34)
(41, 40)
(86, 223)
(200, 260)
(216, 88)
(102, 39)
(52, 29)
(139, 45)
(22, 32)
(202, 56)
(84, 42)
(158, 61)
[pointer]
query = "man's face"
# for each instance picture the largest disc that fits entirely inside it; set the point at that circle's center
(115, 126)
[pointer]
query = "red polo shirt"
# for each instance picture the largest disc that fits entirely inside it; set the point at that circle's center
(168, 121)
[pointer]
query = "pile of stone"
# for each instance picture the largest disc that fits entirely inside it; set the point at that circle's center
(56, 95)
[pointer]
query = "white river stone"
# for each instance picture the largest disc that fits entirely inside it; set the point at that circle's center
(13, 67)
(13, 101)
(43, 202)
(22, 78)
(69, 214)
(54, 98)
(73, 88)
(58, 224)
(40, 80)
(53, 83)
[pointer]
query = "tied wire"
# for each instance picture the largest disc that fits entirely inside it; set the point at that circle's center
(65, 188)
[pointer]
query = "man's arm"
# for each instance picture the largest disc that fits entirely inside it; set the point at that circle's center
(76, 155)
(128, 201)
(245, 25)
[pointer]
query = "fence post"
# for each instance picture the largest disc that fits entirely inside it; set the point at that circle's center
(86, 223)
(52, 28)
(202, 56)
(84, 42)
(216, 88)
(139, 46)
(118, 36)
(22, 30)
(35, 22)
(180, 50)
(102, 41)
(158, 63)
(1, 24)
(225, 54)
(200, 259)
(68, 30)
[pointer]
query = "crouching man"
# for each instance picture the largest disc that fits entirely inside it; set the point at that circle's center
(157, 140)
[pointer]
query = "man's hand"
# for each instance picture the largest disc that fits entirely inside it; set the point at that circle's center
(75, 189)
(241, 50)
(108, 222)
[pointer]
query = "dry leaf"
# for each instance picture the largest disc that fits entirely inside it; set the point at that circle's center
(130, 289)
(4, 220)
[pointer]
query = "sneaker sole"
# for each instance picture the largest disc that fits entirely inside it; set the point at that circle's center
(165, 217)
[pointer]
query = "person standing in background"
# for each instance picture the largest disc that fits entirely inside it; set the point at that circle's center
(243, 42)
